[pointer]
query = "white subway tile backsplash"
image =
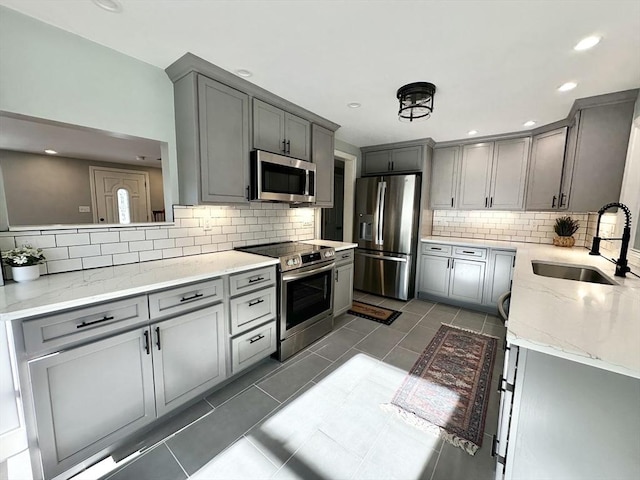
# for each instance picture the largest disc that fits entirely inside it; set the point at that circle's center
(150, 255)
(123, 258)
(157, 234)
(38, 241)
(57, 253)
(193, 250)
(172, 252)
(84, 251)
(141, 245)
(67, 240)
(164, 243)
(108, 237)
(132, 236)
(58, 266)
(96, 262)
(111, 248)
(185, 242)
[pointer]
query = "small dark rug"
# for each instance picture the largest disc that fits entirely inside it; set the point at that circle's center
(374, 312)
(447, 390)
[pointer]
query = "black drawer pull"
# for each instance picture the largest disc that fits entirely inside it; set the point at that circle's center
(87, 324)
(469, 252)
(346, 256)
(256, 338)
(146, 342)
(192, 297)
(255, 279)
(158, 337)
(260, 300)
(435, 248)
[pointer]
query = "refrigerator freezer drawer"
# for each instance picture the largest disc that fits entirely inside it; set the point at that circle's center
(382, 274)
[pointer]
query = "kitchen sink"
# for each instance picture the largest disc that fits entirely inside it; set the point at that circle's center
(570, 272)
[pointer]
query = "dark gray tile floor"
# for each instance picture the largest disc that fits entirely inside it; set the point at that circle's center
(318, 415)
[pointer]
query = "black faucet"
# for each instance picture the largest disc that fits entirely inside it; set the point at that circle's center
(621, 263)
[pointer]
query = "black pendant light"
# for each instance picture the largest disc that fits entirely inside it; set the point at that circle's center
(416, 101)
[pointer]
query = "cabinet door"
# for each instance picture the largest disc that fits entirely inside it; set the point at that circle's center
(268, 127)
(434, 275)
(224, 142)
(188, 356)
(569, 160)
(603, 138)
(322, 155)
(376, 162)
(509, 174)
(475, 176)
(88, 397)
(444, 177)
(467, 280)
(297, 133)
(343, 293)
(545, 170)
(408, 159)
(499, 275)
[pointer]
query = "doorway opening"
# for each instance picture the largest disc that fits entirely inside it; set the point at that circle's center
(333, 218)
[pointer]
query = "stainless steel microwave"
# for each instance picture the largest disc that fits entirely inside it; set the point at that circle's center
(276, 178)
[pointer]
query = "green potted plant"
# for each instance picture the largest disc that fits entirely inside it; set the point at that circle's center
(24, 262)
(565, 227)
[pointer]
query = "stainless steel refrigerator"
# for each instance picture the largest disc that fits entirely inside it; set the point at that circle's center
(387, 213)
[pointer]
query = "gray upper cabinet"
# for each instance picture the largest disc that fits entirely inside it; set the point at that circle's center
(545, 171)
(322, 147)
(277, 131)
(493, 175)
(395, 160)
(475, 176)
(444, 177)
(509, 174)
(212, 133)
(600, 155)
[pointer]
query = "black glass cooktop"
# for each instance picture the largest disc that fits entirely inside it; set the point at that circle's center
(282, 249)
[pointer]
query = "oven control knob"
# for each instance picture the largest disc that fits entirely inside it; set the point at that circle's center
(291, 262)
(328, 254)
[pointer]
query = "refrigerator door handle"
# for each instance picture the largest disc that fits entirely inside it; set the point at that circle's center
(377, 240)
(382, 190)
(383, 257)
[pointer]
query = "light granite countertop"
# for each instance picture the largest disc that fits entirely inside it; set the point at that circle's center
(75, 289)
(590, 323)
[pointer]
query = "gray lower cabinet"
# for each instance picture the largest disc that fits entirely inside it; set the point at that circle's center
(396, 160)
(552, 421)
(277, 131)
(493, 175)
(212, 135)
(499, 275)
(545, 171)
(88, 397)
(188, 356)
(434, 275)
(467, 280)
(343, 288)
(322, 148)
(444, 178)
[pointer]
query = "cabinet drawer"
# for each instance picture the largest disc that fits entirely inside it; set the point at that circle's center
(345, 256)
(253, 346)
(470, 252)
(181, 299)
(252, 309)
(249, 281)
(436, 249)
(54, 332)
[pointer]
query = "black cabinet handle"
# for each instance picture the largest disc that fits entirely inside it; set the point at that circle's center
(256, 338)
(288, 146)
(255, 279)
(257, 302)
(563, 196)
(346, 255)
(158, 337)
(248, 198)
(86, 324)
(435, 248)
(468, 251)
(146, 342)
(192, 297)
(393, 165)
(486, 201)
(452, 262)
(452, 201)
(491, 203)
(284, 146)
(448, 261)
(553, 203)
(494, 443)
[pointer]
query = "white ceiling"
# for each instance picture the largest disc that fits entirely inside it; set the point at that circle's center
(26, 134)
(496, 64)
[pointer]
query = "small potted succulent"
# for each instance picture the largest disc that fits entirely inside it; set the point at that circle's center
(565, 227)
(24, 262)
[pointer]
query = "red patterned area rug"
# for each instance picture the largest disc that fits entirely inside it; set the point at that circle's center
(447, 390)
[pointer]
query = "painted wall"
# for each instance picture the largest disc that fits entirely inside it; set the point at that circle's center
(43, 190)
(49, 73)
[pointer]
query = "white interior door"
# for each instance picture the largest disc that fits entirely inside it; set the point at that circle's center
(120, 196)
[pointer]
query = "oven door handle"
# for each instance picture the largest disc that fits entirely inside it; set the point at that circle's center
(295, 276)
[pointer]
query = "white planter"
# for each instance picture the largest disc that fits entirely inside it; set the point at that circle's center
(25, 274)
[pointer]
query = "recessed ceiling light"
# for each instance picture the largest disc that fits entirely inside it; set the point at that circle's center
(587, 43)
(472, 132)
(565, 87)
(113, 6)
(50, 151)
(530, 123)
(354, 105)
(243, 73)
